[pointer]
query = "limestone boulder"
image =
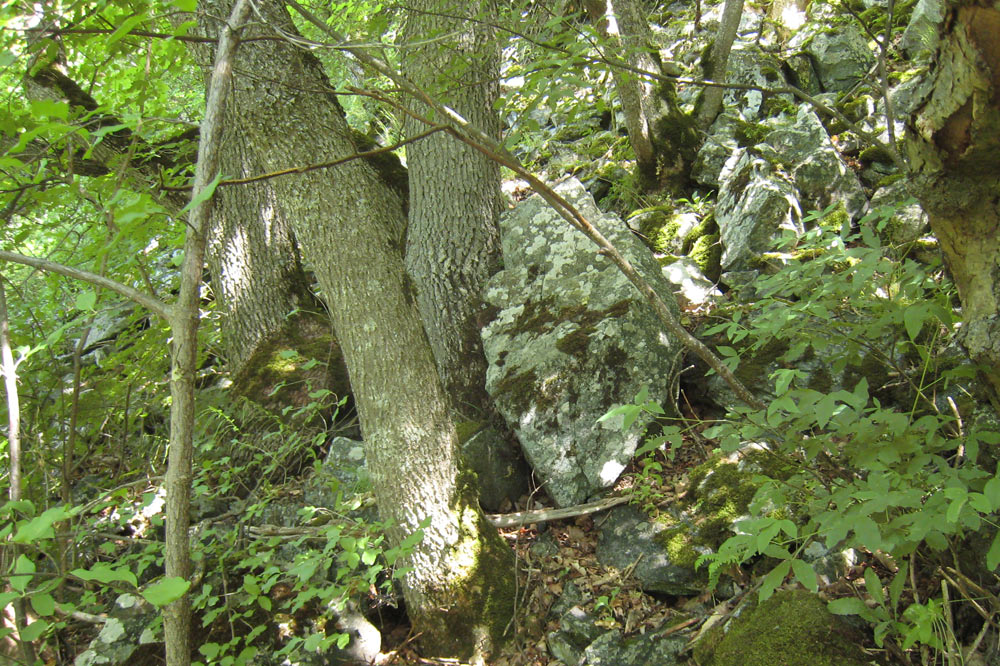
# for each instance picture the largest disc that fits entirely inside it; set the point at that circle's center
(572, 339)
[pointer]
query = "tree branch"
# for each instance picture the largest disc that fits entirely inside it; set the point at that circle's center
(155, 306)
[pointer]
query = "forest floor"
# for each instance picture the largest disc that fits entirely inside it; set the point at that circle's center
(611, 596)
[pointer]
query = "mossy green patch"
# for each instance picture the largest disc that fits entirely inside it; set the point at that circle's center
(792, 628)
(707, 255)
(300, 358)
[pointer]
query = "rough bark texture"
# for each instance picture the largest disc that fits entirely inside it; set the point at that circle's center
(453, 240)
(350, 224)
(661, 135)
(953, 146)
(252, 255)
(715, 68)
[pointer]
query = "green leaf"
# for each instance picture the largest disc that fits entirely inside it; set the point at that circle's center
(166, 591)
(993, 554)
(210, 650)
(185, 5)
(874, 586)
(805, 574)
(847, 606)
(205, 194)
(43, 604)
(34, 630)
(86, 300)
(124, 29)
(43, 108)
(913, 319)
(23, 568)
(103, 572)
(313, 642)
(992, 492)
(40, 527)
(773, 579)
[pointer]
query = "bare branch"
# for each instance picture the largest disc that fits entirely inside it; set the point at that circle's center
(155, 306)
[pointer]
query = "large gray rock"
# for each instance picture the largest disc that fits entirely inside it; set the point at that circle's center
(611, 649)
(629, 537)
(920, 38)
(841, 57)
(764, 190)
(502, 474)
(572, 339)
(755, 203)
(804, 150)
(909, 222)
(124, 632)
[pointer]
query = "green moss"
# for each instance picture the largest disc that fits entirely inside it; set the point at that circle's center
(707, 255)
(520, 390)
(750, 134)
(890, 180)
(681, 546)
(284, 370)
(575, 343)
(792, 628)
(836, 218)
(475, 604)
(875, 154)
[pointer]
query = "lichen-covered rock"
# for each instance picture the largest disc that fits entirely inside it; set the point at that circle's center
(691, 284)
(805, 151)
(502, 474)
(576, 631)
(909, 221)
(611, 649)
(794, 168)
(750, 66)
(572, 339)
(841, 57)
(754, 204)
(630, 537)
(920, 38)
(122, 635)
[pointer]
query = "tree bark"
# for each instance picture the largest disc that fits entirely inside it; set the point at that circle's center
(661, 135)
(453, 238)
(350, 223)
(184, 320)
(953, 147)
(711, 98)
(16, 490)
(252, 256)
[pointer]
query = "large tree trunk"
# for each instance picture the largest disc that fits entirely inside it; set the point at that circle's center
(350, 224)
(453, 241)
(252, 256)
(662, 136)
(953, 146)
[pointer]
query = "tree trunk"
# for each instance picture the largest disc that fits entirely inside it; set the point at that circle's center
(715, 68)
(953, 146)
(350, 224)
(252, 256)
(453, 239)
(662, 136)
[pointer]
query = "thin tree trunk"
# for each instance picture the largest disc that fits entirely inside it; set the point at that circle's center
(661, 135)
(711, 98)
(453, 238)
(16, 491)
(184, 350)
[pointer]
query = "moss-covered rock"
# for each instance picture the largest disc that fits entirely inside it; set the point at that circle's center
(792, 628)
